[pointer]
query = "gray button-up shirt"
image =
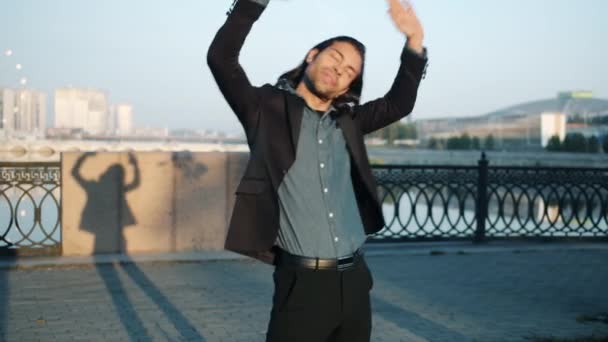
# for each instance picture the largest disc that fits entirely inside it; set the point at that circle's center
(319, 216)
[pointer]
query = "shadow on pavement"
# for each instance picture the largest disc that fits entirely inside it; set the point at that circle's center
(183, 326)
(4, 297)
(122, 304)
(413, 322)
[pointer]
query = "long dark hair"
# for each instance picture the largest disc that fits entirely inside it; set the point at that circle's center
(353, 95)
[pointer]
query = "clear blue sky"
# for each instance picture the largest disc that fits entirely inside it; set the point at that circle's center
(484, 54)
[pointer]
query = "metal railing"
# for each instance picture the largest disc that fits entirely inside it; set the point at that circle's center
(419, 203)
(483, 202)
(30, 208)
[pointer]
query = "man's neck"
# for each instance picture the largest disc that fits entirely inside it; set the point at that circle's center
(312, 100)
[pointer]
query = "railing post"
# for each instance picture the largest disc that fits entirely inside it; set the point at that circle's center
(481, 207)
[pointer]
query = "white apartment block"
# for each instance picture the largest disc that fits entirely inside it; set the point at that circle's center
(22, 112)
(82, 108)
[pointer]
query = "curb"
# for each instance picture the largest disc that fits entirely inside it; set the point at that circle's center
(371, 250)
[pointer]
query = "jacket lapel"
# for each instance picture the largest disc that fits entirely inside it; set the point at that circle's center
(356, 148)
(294, 110)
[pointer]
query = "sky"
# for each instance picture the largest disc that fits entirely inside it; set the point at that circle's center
(484, 55)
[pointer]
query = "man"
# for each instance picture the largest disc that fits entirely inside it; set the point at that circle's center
(308, 197)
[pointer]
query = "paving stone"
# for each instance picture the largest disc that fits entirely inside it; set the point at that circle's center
(420, 297)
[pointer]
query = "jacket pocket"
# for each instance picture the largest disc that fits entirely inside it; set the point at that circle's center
(251, 186)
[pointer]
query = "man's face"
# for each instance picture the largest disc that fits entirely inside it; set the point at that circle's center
(332, 70)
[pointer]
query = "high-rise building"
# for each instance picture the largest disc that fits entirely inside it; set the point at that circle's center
(22, 111)
(31, 111)
(123, 114)
(7, 110)
(82, 108)
(552, 124)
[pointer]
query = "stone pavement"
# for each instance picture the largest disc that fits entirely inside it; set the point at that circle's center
(422, 292)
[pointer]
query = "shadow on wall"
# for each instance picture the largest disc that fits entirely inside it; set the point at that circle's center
(106, 211)
(171, 201)
(185, 162)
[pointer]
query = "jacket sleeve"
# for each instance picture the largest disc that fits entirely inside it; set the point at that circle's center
(400, 99)
(223, 60)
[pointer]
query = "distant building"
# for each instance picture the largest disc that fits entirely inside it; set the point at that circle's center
(600, 131)
(156, 132)
(187, 133)
(64, 133)
(22, 112)
(82, 108)
(7, 110)
(374, 141)
(552, 124)
(508, 131)
(122, 119)
(528, 126)
(577, 94)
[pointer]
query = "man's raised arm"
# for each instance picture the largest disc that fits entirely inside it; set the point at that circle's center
(400, 99)
(223, 60)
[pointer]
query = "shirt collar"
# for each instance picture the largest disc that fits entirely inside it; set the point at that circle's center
(286, 86)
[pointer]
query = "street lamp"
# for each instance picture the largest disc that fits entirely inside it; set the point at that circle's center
(8, 53)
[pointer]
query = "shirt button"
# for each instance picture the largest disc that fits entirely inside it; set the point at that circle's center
(320, 141)
(331, 214)
(336, 239)
(322, 165)
(325, 190)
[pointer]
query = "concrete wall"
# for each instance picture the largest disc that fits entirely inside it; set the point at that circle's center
(182, 201)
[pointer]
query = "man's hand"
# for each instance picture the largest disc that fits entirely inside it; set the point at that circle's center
(406, 21)
(132, 159)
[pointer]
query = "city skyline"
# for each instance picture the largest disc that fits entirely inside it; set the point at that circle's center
(483, 56)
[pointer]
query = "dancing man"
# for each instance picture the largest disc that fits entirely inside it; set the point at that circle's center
(308, 199)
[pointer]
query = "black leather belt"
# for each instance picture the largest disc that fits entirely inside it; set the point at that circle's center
(287, 259)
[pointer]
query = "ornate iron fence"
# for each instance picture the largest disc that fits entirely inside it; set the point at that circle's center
(479, 202)
(30, 208)
(419, 203)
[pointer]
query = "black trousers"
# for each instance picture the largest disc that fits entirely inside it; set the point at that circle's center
(321, 305)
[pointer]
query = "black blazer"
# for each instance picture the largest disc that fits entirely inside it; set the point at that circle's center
(271, 118)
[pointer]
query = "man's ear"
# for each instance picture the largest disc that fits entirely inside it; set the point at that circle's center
(312, 54)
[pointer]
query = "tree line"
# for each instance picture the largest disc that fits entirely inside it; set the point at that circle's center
(396, 131)
(463, 142)
(573, 142)
(577, 142)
